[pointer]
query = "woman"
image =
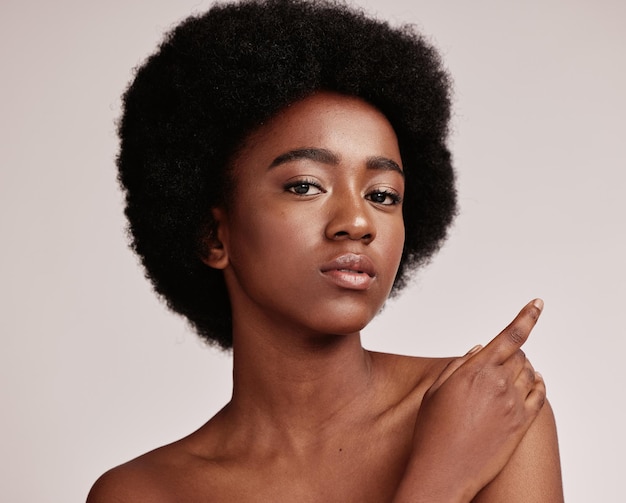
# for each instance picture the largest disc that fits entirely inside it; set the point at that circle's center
(285, 170)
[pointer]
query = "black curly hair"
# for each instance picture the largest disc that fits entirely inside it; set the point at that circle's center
(218, 76)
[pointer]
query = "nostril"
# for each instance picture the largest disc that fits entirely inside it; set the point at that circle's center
(346, 234)
(353, 227)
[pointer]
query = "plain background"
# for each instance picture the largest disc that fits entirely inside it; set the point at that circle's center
(95, 371)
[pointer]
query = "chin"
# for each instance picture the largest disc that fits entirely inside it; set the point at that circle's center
(342, 325)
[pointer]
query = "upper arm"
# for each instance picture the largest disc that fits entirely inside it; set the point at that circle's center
(107, 489)
(533, 474)
(125, 484)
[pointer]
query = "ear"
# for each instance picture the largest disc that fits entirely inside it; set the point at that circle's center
(214, 251)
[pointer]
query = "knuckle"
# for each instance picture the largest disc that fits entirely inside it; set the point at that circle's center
(530, 375)
(516, 335)
(520, 356)
(510, 406)
(500, 385)
(541, 400)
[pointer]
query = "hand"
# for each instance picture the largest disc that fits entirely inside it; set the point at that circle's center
(473, 417)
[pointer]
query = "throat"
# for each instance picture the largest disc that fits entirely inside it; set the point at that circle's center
(300, 393)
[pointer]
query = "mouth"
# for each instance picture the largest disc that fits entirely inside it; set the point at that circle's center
(352, 271)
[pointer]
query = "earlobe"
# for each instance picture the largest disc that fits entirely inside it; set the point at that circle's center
(214, 251)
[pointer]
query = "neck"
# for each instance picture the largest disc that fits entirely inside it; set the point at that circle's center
(296, 384)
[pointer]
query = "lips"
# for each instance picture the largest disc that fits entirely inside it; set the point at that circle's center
(351, 271)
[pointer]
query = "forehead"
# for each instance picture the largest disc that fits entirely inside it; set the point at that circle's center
(345, 125)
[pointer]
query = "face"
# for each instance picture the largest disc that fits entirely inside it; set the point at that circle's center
(312, 237)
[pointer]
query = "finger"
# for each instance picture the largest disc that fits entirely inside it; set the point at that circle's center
(526, 378)
(474, 350)
(509, 341)
(537, 395)
(452, 366)
(516, 362)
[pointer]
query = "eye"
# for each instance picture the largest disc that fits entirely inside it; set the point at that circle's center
(304, 188)
(384, 197)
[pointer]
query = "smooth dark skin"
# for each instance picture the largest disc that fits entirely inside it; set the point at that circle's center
(314, 417)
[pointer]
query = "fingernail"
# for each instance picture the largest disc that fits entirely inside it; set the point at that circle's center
(538, 303)
(538, 375)
(474, 349)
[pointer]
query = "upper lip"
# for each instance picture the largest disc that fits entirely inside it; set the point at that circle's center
(351, 262)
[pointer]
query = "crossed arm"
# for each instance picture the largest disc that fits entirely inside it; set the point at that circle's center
(484, 432)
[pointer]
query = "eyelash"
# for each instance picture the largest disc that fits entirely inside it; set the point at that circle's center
(395, 198)
(307, 183)
(291, 186)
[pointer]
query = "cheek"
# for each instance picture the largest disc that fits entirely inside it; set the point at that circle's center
(393, 237)
(270, 238)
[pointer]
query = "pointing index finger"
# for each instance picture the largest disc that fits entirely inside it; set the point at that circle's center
(511, 339)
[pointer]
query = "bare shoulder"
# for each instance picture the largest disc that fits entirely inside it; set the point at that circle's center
(135, 481)
(533, 474)
(159, 476)
(413, 371)
(407, 378)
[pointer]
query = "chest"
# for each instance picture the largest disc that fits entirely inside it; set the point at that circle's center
(357, 468)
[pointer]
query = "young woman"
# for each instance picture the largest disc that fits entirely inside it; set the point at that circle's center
(285, 170)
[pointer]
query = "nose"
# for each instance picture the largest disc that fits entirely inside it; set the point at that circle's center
(350, 219)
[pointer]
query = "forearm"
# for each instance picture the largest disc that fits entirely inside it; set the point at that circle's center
(484, 432)
(533, 474)
(421, 485)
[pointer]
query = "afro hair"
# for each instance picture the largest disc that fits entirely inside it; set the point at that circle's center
(218, 76)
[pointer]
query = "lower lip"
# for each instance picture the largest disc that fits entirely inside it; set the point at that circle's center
(349, 280)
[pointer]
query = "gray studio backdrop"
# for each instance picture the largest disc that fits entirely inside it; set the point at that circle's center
(95, 371)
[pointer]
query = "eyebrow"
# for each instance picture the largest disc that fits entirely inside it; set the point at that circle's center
(314, 154)
(384, 164)
(325, 156)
